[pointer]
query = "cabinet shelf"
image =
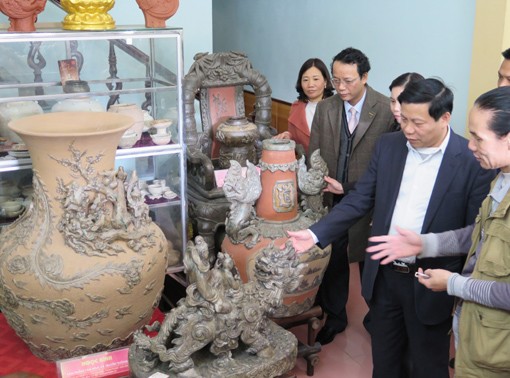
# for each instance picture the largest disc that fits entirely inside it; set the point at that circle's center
(130, 64)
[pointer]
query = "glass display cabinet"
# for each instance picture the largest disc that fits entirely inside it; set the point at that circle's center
(56, 70)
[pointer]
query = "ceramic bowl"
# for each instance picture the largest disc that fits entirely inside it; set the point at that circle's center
(5, 198)
(161, 125)
(155, 190)
(27, 192)
(161, 139)
(12, 214)
(10, 206)
(128, 140)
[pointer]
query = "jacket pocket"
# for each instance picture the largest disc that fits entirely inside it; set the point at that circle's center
(495, 259)
(491, 338)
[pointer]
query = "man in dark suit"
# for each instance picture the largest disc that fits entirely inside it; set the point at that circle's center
(346, 141)
(426, 179)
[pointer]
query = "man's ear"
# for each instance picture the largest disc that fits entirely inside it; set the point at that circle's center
(446, 117)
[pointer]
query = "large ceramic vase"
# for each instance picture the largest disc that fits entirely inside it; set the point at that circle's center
(277, 210)
(87, 14)
(83, 267)
(22, 13)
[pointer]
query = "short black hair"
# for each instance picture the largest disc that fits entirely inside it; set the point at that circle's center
(404, 79)
(429, 91)
(498, 102)
(321, 66)
(506, 54)
(353, 56)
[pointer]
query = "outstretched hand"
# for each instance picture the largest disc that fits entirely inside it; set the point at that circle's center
(333, 186)
(301, 240)
(393, 247)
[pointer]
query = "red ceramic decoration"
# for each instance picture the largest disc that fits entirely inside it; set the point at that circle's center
(277, 211)
(22, 13)
(156, 12)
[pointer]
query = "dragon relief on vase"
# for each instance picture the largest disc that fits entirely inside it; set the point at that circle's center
(311, 184)
(242, 192)
(108, 207)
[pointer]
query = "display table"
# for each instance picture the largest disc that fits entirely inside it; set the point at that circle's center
(16, 357)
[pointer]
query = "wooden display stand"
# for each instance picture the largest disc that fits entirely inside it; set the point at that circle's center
(310, 350)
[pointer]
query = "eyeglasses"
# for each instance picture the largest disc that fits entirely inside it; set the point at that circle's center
(347, 82)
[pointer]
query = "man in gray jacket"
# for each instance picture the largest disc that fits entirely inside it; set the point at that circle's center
(345, 128)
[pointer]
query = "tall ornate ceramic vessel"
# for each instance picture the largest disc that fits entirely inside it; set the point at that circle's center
(264, 208)
(83, 267)
(22, 13)
(87, 14)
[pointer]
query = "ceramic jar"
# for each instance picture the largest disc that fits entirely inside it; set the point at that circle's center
(87, 14)
(22, 13)
(78, 104)
(83, 267)
(277, 211)
(136, 114)
(237, 137)
(156, 12)
(13, 110)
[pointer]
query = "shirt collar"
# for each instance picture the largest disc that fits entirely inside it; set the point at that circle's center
(431, 150)
(358, 106)
(501, 187)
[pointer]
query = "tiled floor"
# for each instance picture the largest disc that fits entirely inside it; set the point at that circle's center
(350, 352)
(349, 355)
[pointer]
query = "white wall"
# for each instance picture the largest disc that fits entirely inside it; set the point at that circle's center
(433, 37)
(197, 25)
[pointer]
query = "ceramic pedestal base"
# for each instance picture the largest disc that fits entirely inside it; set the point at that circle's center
(243, 365)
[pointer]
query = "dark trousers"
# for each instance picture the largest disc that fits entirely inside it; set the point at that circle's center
(334, 289)
(394, 327)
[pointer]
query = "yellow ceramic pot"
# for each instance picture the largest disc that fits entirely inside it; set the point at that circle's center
(88, 14)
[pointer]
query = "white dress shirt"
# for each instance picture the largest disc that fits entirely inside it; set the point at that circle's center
(310, 112)
(418, 180)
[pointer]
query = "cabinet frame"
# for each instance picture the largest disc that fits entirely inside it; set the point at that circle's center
(127, 34)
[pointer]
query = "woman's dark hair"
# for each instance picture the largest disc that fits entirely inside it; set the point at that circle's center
(319, 64)
(404, 79)
(498, 102)
(429, 91)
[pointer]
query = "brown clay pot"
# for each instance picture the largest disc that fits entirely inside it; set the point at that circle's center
(83, 267)
(156, 12)
(277, 212)
(22, 13)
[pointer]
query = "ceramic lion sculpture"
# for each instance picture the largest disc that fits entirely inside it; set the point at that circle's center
(220, 311)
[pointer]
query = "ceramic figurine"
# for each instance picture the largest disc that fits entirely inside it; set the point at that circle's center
(156, 12)
(22, 13)
(221, 328)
